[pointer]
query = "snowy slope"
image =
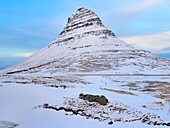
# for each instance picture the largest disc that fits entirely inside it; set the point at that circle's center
(86, 45)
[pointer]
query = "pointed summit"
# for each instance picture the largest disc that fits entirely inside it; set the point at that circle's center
(83, 22)
(83, 18)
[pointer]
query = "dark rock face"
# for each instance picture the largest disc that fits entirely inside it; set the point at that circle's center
(102, 100)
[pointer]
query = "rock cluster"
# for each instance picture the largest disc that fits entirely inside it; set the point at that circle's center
(102, 100)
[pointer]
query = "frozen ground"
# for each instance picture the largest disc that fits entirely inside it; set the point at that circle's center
(131, 100)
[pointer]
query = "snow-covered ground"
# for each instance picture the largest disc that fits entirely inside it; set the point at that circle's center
(20, 102)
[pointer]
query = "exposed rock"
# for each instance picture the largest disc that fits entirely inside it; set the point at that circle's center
(102, 100)
(110, 113)
(110, 123)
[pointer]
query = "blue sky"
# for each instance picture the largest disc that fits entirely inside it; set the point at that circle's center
(26, 26)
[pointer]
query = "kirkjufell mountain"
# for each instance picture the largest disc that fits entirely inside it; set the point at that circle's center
(86, 78)
(86, 45)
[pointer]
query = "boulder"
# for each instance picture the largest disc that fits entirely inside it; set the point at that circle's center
(102, 100)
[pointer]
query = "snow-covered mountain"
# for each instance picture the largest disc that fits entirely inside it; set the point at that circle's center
(86, 78)
(86, 45)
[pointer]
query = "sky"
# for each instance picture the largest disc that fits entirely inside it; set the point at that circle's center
(26, 26)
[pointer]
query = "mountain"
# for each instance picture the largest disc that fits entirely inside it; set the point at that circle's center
(86, 78)
(86, 45)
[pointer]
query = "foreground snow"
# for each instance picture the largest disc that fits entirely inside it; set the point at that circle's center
(21, 98)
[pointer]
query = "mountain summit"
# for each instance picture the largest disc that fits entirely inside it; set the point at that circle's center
(84, 20)
(86, 45)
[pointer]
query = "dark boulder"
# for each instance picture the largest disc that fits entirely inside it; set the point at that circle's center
(102, 100)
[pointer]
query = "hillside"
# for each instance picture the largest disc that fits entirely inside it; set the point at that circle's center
(86, 45)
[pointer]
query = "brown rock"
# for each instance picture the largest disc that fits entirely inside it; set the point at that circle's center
(102, 100)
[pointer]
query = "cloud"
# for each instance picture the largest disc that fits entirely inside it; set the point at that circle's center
(137, 17)
(154, 43)
(139, 6)
(24, 54)
(164, 50)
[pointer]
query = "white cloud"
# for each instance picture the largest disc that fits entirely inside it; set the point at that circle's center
(24, 54)
(154, 43)
(139, 6)
(126, 15)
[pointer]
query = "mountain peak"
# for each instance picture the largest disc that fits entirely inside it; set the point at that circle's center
(84, 15)
(86, 45)
(83, 19)
(83, 23)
